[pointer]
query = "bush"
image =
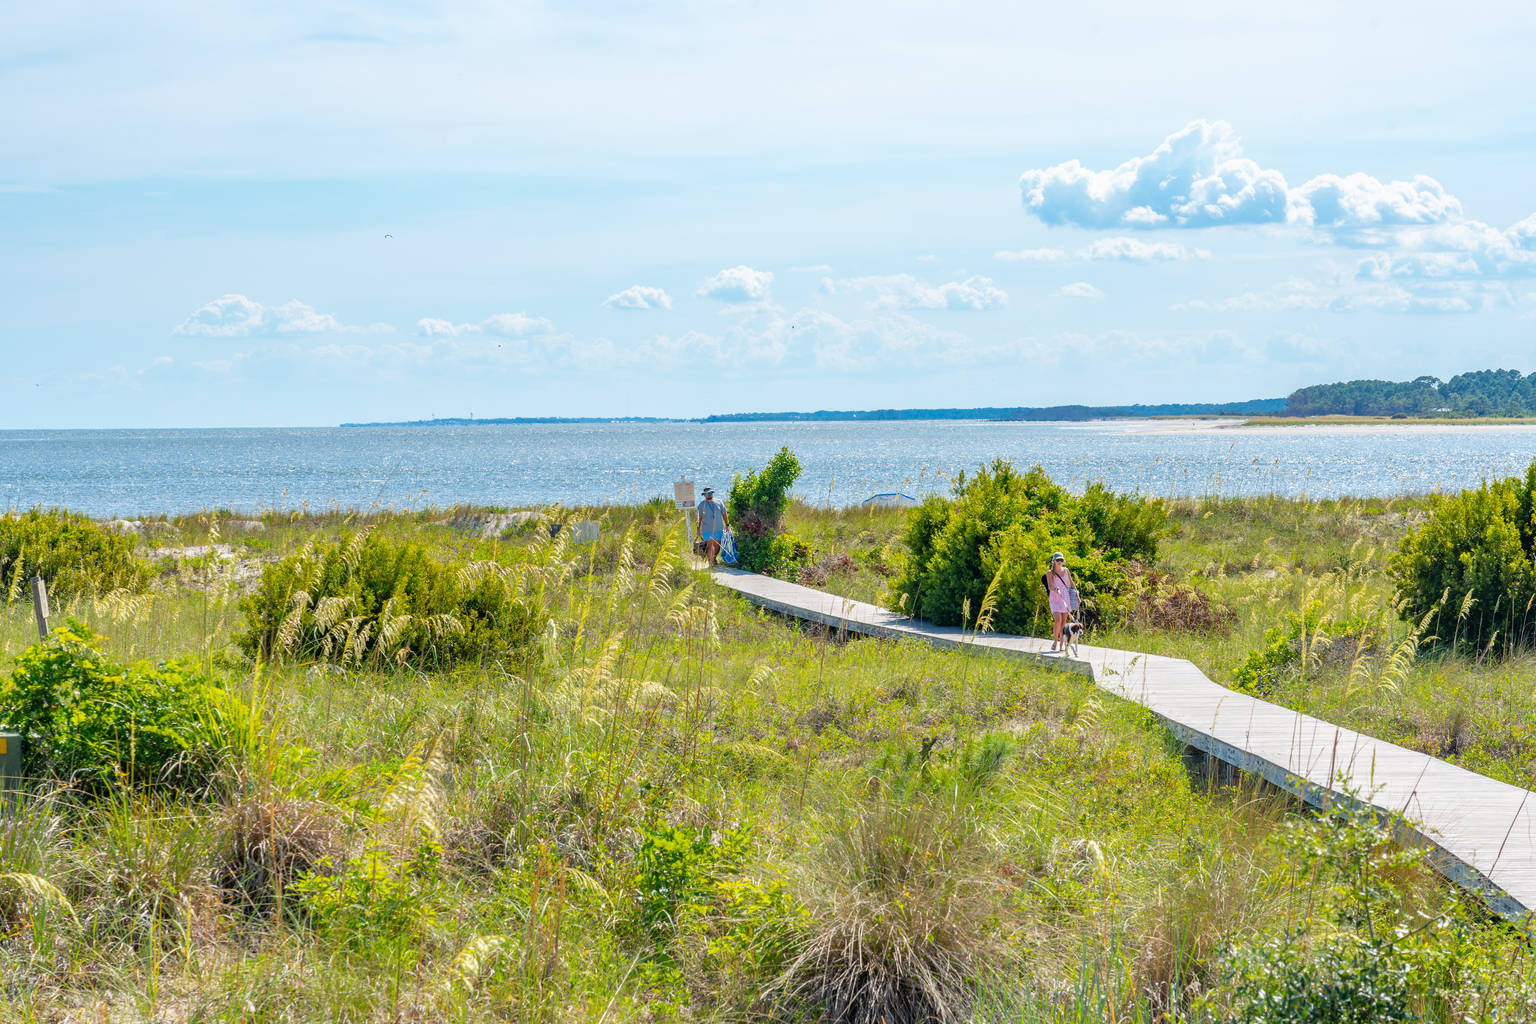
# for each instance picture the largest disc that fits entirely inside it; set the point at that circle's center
(1125, 524)
(367, 598)
(679, 871)
(98, 722)
(1310, 633)
(756, 505)
(1375, 959)
(1468, 571)
(1162, 604)
(1001, 527)
(374, 900)
(72, 553)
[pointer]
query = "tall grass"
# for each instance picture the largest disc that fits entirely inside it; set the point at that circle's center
(918, 832)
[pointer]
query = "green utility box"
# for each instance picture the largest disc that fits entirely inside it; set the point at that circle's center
(10, 764)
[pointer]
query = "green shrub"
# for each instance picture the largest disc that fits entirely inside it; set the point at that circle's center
(373, 899)
(1341, 981)
(98, 722)
(72, 553)
(367, 598)
(1311, 634)
(1376, 960)
(1125, 524)
(1002, 526)
(680, 868)
(1468, 570)
(756, 505)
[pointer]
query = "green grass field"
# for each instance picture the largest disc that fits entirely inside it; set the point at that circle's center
(675, 807)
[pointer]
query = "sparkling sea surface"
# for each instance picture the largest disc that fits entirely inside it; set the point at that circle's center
(138, 472)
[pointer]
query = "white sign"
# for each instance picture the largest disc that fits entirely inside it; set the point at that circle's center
(682, 493)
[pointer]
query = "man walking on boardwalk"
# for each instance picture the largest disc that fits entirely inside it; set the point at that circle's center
(713, 522)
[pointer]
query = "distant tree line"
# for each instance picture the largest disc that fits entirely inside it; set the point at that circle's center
(1481, 393)
(1255, 407)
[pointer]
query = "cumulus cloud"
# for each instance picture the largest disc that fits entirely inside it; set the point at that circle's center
(738, 284)
(235, 316)
(1080, 290)
(1361, 201)
(903, 291)
(501, 325)
(639, 296)
(1133, 250)
(1199, 178)
(1465, 250)
(1032, 255)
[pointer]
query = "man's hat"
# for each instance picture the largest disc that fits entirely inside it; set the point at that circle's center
(709, 490)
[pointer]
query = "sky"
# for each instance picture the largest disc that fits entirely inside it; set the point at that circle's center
(233, 214)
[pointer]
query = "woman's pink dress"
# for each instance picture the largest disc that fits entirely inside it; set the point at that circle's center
(1059, 582)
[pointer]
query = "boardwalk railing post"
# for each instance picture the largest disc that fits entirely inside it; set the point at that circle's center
(40, 606)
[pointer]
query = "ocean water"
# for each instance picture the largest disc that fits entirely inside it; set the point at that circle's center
(134, 472)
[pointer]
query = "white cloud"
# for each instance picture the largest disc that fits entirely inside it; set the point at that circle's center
(1464, 250)
(814, 338)
(1300, 295)
(1198, 178)
(1294, 294)
(1402, 300)
(501, 325)
(903, 291)
(516, 325)
(738, 284)
(639, 296)
(1080, 290)
(1134, 250)
(235, 316)
(1361, 201)
(1032, 255)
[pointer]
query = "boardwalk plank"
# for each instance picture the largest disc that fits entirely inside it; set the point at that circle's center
(1480, 833)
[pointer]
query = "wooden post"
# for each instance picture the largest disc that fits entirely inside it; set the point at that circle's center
(10, 768)
(682, 496)
(40, 606)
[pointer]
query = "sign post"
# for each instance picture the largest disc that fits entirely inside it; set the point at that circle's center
(40, 606)
(682, 495)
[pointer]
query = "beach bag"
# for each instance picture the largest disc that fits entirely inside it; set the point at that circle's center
(728, 548)
(1074, 600)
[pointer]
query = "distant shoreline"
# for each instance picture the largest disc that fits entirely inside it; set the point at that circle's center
(1389, 421)
(993, 414)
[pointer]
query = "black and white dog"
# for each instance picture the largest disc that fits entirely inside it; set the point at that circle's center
(1072, 633)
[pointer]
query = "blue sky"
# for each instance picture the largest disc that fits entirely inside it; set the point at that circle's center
(687, 208)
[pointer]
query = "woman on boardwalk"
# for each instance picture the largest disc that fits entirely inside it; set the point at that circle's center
(1059, 585)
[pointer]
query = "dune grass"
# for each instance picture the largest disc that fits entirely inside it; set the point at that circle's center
(680, 808)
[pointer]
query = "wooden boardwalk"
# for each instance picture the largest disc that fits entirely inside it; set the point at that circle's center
(1480, 833)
